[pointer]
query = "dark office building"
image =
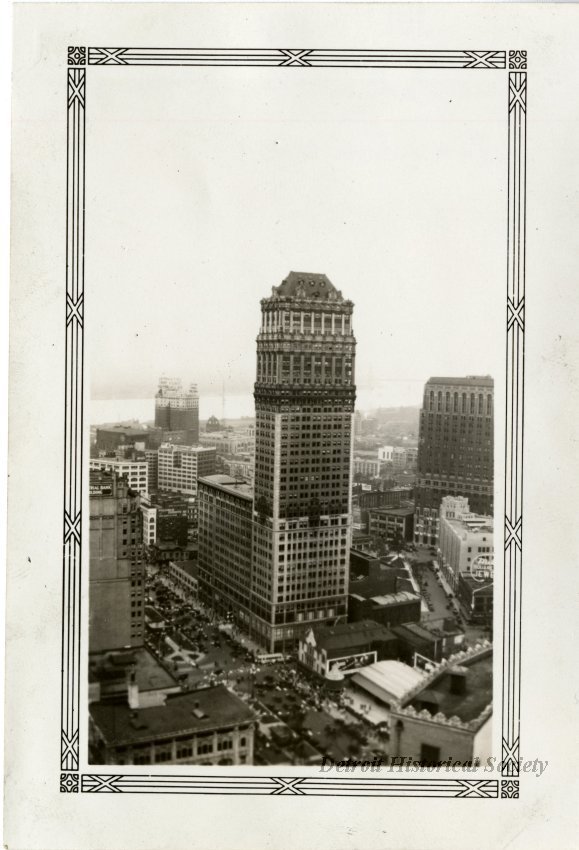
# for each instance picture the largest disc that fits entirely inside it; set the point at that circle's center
(455, 452)
(110, 437)
(225, 510)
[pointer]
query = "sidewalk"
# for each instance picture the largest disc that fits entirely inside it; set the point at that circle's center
(447, 588)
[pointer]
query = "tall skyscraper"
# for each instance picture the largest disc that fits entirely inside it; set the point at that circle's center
(177, 411)
(455, 452)
(304, 400)
(116, 568)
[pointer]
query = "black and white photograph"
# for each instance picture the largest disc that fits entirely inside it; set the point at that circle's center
(292, 465)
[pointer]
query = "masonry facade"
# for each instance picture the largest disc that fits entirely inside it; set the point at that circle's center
(225, 537)
(304, 399)
(116, 566)
(180, 466)
(455, 452)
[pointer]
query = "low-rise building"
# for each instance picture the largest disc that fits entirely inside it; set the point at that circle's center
(183, 575)
(110, 437)
(388, 609)
(385, 454)
(345, 646)
(379, 576)
(363, 500)
(120, 674)
(206, 726)
(475, 594)
(373, 690)
(448, 714)
(465, 538)
(227, 443)
(392, 523)
(366, 466)
(404, 458)
(179, 467)
(433, 640)
(135, 471)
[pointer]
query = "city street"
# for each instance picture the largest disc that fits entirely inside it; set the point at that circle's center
(298, 719)
(440, 600)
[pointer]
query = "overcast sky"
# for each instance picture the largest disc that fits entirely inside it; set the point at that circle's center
(205, 187)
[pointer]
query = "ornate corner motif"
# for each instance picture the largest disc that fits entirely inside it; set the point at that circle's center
(517, 60)
(510, 789)
(69, 782)
(77, 55)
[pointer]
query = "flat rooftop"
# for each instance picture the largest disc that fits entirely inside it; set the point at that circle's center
(468, 380)
(149, 674)
(430, 630)
(346, 636)
(395, 598)
(189, 567)
(237, 486)
(467, 706)
(385, 582)
(197, 711)
(392, 678)
(392, 511)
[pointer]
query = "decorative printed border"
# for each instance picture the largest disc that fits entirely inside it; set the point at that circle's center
(308, 786)
(517, 172)
(270, 58)
(77, 59)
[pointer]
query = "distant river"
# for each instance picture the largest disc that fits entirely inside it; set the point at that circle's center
(143, 409)
(236, 406)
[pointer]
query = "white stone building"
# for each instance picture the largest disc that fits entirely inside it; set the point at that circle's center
(465, 538)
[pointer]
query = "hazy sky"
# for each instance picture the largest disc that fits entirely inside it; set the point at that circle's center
(205, 187)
